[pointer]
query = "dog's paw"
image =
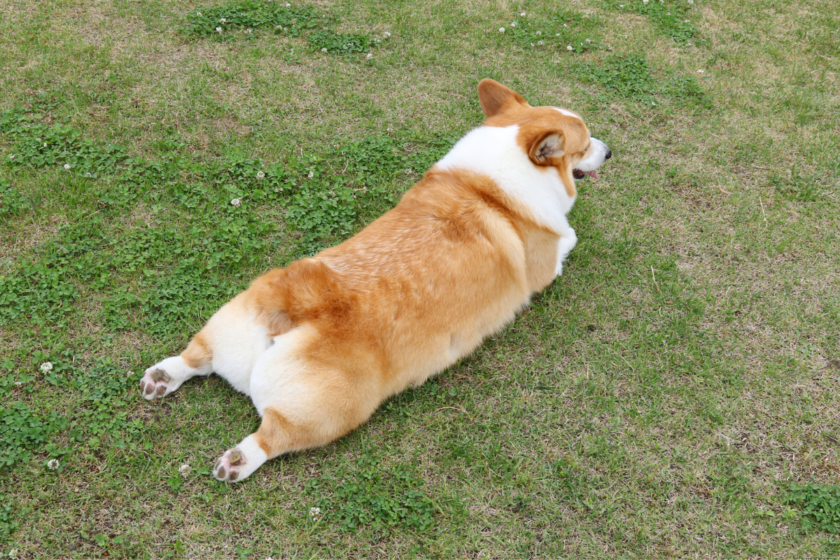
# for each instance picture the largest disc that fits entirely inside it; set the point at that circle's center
(239, 463)
(155, 383)
(229, 466)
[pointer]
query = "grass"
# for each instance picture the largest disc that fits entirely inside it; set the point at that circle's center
(673, 394)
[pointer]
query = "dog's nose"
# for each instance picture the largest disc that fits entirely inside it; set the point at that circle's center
(609, 154)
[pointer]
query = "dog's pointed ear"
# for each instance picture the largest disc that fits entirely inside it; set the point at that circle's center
(547, 146)
(495, 97)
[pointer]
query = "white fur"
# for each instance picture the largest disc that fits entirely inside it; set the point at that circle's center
(253, 458)
(567, 113)
(493, 151)
(177, 370)
(238, 341)
(597, 158)
(277, 374)
(564, 246)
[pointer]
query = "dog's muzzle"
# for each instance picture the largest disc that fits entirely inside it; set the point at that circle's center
(599, 155)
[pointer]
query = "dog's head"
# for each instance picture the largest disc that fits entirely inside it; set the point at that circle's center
(552, 137)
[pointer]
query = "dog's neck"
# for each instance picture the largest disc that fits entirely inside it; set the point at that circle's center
(494, 152)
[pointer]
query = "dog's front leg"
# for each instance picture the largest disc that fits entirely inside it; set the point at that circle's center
(567, 242)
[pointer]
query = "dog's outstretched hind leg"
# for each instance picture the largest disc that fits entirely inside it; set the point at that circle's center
(166, 376)
(273, 438)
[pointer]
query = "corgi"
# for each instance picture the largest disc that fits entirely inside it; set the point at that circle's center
(319, 345)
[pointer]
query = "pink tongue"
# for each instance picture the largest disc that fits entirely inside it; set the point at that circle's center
(591, 174)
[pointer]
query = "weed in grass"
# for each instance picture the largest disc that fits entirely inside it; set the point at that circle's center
(819, 506)
(375, 498)
(557, 31)
(22, 432)
(11, 201)
(631, 77)
(7, 518)
(670, 17)
(282, 19)
(796, 187)
(217, 23)
(341, 43)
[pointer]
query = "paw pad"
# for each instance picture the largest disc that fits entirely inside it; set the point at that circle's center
(154, 384)
(228, 466)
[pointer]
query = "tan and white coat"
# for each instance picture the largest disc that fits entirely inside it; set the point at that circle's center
(321, 344)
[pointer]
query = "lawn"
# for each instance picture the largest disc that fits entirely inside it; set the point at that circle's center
(674, 394)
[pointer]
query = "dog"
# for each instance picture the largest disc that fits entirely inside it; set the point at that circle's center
(319, 345)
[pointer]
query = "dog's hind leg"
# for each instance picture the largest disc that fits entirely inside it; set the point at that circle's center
(305, 401)
(229, 345)
(167, 375)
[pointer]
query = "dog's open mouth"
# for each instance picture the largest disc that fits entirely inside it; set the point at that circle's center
(578, 174)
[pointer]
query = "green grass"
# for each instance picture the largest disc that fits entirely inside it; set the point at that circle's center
(673, 394)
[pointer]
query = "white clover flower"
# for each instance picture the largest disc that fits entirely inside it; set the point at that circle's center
(260, 175)
(311, 174)
(539, 42)
(387, 34)
(369, 56)
(37, 139)
(644, 1)
(668, 14)
(570, 48)
(184, 470)
(522, 14)
(701, 71)
(621, 5)
(198, 14)
(13, 553)
(513, 24)
(589, 40)
(248, 31)
(45, 144)
(539, 33)
(11, 156)
(532, 44)
(501, 30)
(53, 464)
(236, 202)
(324, 49)
(46, 367)
(223, 20)
(67, 166)
(219, 29)
(564, 25)
(129, 373)
(18, 383)
(691, 1)
(315, 513)
(288, 5)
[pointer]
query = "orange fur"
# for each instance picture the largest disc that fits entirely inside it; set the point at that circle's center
(198, 352)
(413, 292)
